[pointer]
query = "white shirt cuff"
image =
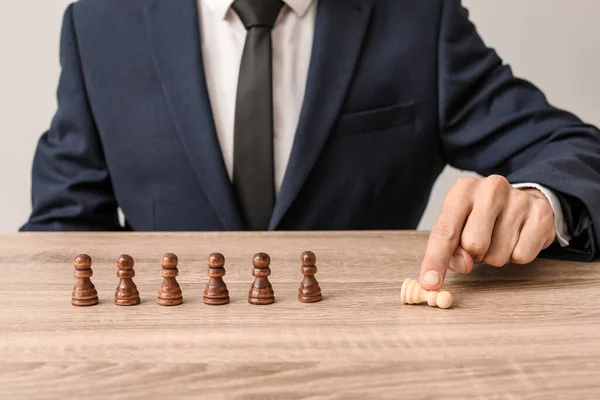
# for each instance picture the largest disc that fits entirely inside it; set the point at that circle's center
(562, 233)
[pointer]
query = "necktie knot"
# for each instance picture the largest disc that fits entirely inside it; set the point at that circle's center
(255, 13)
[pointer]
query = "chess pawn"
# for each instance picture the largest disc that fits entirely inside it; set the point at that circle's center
(215, 292)
(309, 291)
(413, 293)
(84, 292)
(169, 293)
(261, 291)
(126, 293)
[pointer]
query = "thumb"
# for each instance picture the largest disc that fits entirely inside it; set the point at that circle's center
(461, 261)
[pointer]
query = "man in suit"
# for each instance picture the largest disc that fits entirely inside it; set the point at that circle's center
(310, 114)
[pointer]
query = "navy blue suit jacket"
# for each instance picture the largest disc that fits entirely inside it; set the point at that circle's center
(396, 90)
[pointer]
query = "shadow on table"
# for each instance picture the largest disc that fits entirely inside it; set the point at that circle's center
(541, 272)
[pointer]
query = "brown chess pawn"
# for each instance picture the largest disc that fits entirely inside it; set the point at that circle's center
(215, 292)
(309, 291)
(261, 291)
(169, 293)
(84, 292)
(126, 293)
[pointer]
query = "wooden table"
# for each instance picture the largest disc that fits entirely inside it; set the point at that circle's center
(515, 332)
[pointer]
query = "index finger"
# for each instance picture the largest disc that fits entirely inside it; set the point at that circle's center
(444, 239)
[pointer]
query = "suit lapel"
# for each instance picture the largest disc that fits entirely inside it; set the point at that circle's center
(175, 37)
(339, 33)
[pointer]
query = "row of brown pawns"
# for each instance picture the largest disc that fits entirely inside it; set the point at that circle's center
(215, 293)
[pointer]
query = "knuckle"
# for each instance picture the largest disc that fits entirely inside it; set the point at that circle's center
(497, 185)
(542, 211)
(434, 260)
(465, 180)
(521, 256)
(522, 203)
(496, 260)
(462, 184)
(475, 246)
(443, 232)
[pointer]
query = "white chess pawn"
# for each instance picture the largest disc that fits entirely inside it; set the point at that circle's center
(413, 293)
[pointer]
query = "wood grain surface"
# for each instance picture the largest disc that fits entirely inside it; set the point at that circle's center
(516, 332)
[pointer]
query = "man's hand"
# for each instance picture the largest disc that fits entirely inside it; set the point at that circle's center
(486, 220)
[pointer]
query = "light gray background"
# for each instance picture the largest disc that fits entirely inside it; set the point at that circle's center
(555, 44)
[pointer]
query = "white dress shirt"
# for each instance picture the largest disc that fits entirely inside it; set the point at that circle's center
(223, 37)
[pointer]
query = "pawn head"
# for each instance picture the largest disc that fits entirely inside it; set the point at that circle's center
(125, 262)
(444, 299)
(169, 261)
(216, 260)
(261, 260)
(308, 258)
(82, 261)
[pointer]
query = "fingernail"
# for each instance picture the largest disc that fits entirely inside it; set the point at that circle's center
(431, 277)
(458, 264)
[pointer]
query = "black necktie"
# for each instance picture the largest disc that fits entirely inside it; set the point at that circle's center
(253, 169)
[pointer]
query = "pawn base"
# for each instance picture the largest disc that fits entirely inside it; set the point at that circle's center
(170, 302)
(214, 301)
(84, 302)
(261, 301)
(127, 302)
(309, 299)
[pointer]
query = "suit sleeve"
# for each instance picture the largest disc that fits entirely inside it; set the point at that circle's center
(494, 123)
(71, 187)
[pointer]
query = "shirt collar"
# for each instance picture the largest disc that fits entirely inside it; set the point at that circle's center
(299, 6)
(220, 7)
